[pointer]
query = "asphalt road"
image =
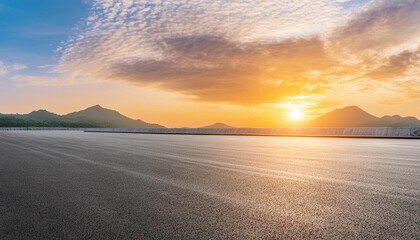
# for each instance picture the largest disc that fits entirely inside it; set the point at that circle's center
(75, 185)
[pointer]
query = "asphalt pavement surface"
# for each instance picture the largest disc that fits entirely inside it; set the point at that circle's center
(76, 185)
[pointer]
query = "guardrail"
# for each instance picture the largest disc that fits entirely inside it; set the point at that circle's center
(365, 132)
(40, 129)
(368, 132)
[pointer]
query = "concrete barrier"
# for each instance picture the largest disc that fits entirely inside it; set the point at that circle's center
(369, 132)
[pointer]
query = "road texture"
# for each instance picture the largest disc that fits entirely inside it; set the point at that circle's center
(75, 185)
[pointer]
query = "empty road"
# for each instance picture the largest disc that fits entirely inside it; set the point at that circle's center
(75, 185)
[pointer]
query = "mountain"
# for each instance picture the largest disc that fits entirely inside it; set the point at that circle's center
(103, 117)
(396, 121)
(217, 125)
(354, 116)
(40, 118)
(344, 117)
(92, 117)
(99, 117)
(43, 115)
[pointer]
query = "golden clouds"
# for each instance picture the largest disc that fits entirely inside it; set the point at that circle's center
(247, 53)
(215, 69)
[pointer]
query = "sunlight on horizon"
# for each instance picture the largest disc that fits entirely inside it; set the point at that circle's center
(296, 115)
(296, 111)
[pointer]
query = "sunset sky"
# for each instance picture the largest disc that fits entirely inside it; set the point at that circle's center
(181, 63)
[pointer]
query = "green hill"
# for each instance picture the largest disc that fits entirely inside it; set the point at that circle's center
(93, 117)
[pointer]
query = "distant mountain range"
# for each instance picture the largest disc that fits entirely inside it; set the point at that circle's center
(353, 116)
(93, 117)
(217, 125)
(99, 117)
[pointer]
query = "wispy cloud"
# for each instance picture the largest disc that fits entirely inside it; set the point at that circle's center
(3, 70)
(34, 80)
(7, 68)
(381, 45)
(383, 29)
(18, 67)
(246, 52)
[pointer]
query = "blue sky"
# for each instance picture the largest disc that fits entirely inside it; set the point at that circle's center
(31, 30)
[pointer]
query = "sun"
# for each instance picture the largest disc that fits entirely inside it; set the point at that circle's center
(295, 111)
(296, 114)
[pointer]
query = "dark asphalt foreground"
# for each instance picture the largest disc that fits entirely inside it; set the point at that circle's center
(75, 185)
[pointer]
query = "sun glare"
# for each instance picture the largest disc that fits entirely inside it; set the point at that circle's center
(296, 114)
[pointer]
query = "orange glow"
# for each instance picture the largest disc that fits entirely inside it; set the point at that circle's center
(296, 115)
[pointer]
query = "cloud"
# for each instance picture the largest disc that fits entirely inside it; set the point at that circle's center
(34, 80)
(380, 46)
(246, 52)
(3, 70)
(48, 66)
(17, 67)
(215, 69)
(7, 68)
(384, 28)
(400, 65)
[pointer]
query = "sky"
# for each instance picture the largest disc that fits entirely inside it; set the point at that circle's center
(266, 63)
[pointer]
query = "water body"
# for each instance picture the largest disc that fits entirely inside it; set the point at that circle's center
(136, 186)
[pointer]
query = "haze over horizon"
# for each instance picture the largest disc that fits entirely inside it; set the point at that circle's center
(198, 62)
(100, 117)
